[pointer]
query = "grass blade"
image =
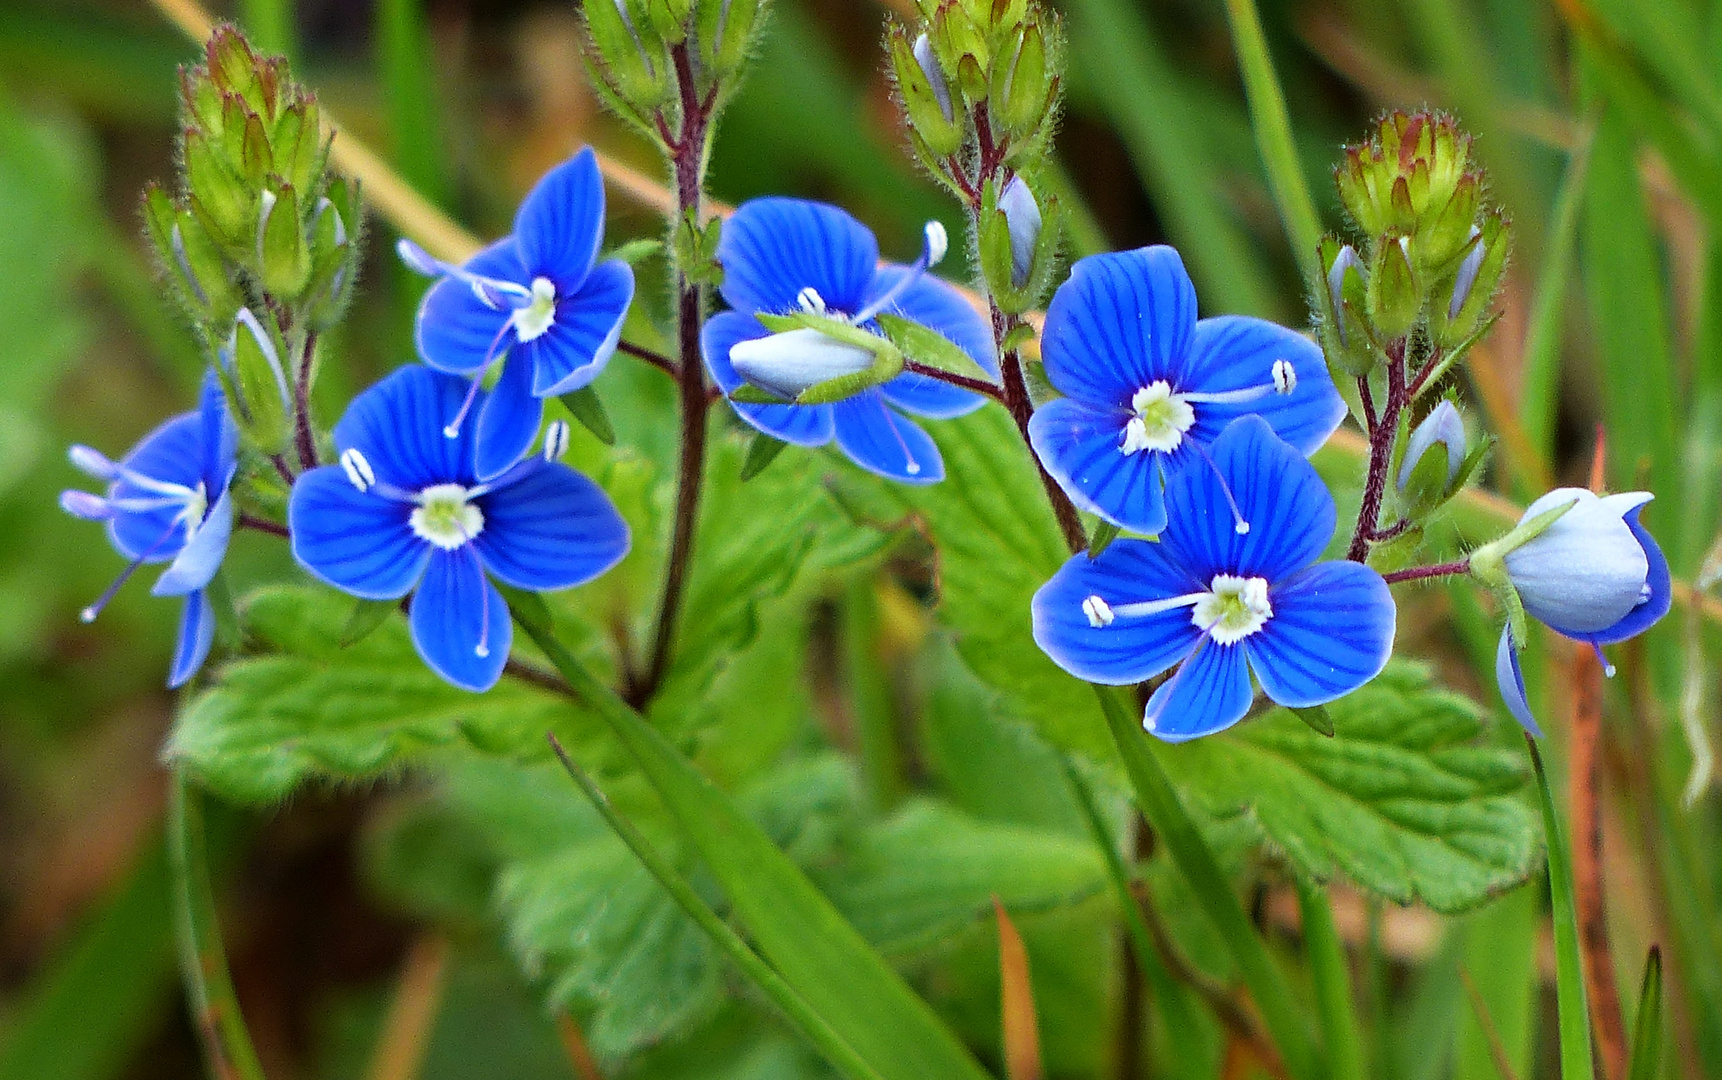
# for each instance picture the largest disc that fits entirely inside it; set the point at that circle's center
(1647, 1031)
(795, 1009)
(1570, 997)
(1016, 1003)
(1332, 979)
(1160, 804)
(794, 926)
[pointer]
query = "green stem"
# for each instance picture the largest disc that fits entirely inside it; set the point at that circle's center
(1332, 979)
(1196, 861)
(1570, 1000)
(227, 1045)
(794, 1007)
(1274, 138)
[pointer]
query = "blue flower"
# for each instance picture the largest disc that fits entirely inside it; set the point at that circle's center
(1146, 386)
(1223, 599)
(406, 512)
(784, 255)
(168, 501)
(540, 297)
(1594, 576)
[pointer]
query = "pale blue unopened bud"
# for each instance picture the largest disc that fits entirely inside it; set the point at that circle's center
(1587, 570)
(786, 364)
(1022, 214)
(935, 76)
(1442, 426)
(1466, 279)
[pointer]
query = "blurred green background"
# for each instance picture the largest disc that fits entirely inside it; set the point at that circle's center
(1600, 123)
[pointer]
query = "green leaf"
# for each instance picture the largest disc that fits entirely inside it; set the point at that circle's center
(930, 347)
(585, 406)
(931, 871)
(367, 616)
(1572, 1006)
(1399, 800)
(762, 450)
(307, 707)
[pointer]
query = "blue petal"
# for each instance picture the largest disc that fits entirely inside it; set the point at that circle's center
(196, 634)
(219, 435)
(1659, 582)
(773, 248)
(198, 561)
(938, 306)
(803, 425)
(1132, 648)
(1078, 444)
(1233, 352)
(173, 453)
(1120, 322)
(561, 222)
(508, 419)
(455, 330)
(1289, 511)
(883, 441)
(455, 613)
(357, 541)
(1209, 693)
(1331, 632)
(551, 529)
(398, 425)
(1511, 680)
(588, 325)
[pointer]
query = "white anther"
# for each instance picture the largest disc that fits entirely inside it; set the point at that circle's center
(810, 301)
(358, 470)
(89, 460)
(417, 259)
(556, 440)
(937, 243)
(1098, 612)
(1285, 377)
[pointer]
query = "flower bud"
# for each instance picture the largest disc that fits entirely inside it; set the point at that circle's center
(262, 401)
(1025, 80)
(1457, 315)
(788, 363)
(1433, 467)
(283, 255)
(925, 95)
(726, 32)
(1022, 214)
(1413, 177)
(1587, 570)
(637, 75)
(1391, 294)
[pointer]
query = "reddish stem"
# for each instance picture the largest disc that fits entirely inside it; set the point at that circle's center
(977, 386)
(1381, 436)
(264, 525)
(657, 360)
(1424, 573)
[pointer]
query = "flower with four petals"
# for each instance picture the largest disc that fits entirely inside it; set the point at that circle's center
(1147, 386)
(780, 256)
(406, 511)
(1595, 575)
(168, 501)
(1221, 601)
(537, 302)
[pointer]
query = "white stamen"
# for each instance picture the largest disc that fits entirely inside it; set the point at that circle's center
(1161, 419)
(82, 504)
(937, 243)
(358, 469)
(418, 260)
(446, 517)
(556, 440)
(1233, 608)
(1099, 614)
(88, 459)
(1607, 668)
(1285, 377)
(539, 316)
(810, 301)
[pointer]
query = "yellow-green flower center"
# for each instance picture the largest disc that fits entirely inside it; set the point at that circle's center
(445, 517)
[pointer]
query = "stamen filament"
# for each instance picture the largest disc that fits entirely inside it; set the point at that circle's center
(1239, 525)
(1607, 668)
(1155, 607)
(483, 647)
(1151, 716)
(934, 250)
(89, 614)
(913, 467)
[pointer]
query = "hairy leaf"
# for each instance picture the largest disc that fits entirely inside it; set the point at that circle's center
(1403, 799)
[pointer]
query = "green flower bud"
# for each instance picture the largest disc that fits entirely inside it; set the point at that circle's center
(1449, 229)
(1459, 310)
(1344, 338)
(283, 256)
(335, 253)
(637, 76)
(925, 96)
(726, 32)
(1392, 296)
(1025, 81)
(225, 204)
(257, 383)
(296, 147)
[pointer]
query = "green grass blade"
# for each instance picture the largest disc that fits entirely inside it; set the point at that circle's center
(1195, 860)
(795, 1009)
(269, 25)
(1274, 138)
(1332, 979)
(203, 960)
(1571, 1000)
(93, 1007)
(407, 69)
(1647, 1030)
(1500, 956)
(794, 926)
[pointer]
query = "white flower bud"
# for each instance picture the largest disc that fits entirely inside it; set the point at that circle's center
(788, 363)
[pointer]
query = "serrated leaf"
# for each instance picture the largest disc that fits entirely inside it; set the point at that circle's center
(307, 707)
(1403, 799)
(931, 871)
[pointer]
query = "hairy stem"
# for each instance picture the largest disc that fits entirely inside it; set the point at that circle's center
(656, 359)
(1382, 434)
(303, 440)
(1424, 573)
(687, 161)
(1016, 399)
(264, 525)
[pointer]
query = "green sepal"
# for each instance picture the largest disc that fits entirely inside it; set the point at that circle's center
(224, 204)
(1316, 717)
(886, 366)
(366, 617)
(639, 81)
(1018, 336)
(260, 398)
(749, 394)
(585, 406)
(1455, 354)
(695, 248)
(1101, 538)
(1392, 291)
(925, 345)
(761, 452)
(633, 252)
(940, 136)
(282, 253)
